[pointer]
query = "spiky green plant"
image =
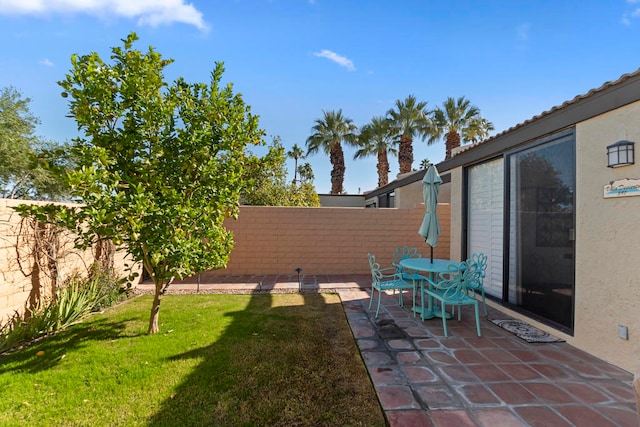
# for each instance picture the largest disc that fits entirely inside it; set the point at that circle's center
(75, 300)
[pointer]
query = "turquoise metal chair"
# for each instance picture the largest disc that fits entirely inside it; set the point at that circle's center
(451, 290)
(404, 252)
(385, 279)
(478, 266)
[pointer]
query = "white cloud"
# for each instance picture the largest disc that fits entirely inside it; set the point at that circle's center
(338, 59)
(46, 62)
(625, 19)
(628, 16)
(148, 12)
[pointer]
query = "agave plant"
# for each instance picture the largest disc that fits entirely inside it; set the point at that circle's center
(75, 300)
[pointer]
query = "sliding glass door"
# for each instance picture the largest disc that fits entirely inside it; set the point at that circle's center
(541, 229)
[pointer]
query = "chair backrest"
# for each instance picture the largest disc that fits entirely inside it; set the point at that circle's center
(375, 269)
(404, 252)
(454, 282)
(478, 268)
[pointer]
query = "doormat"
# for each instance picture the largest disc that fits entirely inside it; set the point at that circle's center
(525, 331)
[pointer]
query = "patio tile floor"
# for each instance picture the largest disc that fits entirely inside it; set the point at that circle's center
(493, 380)
(425, 379)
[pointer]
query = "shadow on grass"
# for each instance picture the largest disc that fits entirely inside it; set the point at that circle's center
(59, 344)
(293, 364)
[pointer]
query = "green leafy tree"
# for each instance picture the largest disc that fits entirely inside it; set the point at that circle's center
(296, 153)
(266, 182)
(410, 119)
(458, 118)
(17, 126)
(377, 139)
(304, 195)
(329, 132)
(161, 165)
(30, 167)
(50, 166)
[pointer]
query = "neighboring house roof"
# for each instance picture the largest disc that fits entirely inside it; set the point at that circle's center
(611, 95)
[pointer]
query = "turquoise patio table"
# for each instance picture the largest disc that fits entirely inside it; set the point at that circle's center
(434, 268)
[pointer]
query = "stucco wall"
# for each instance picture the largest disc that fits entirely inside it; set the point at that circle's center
(607, 242)
(410, 195)
(342, 200)
(20, 277)
(277, 240)
(406, 197)
(456, 191)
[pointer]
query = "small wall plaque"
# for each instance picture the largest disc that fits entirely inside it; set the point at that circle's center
(622, 188)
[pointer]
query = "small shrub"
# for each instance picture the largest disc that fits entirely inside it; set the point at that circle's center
(13, 332)
(106, 287)
(75, 300)
(23, 328)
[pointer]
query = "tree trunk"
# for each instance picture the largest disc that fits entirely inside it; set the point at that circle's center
(295, 172)
(383, 168)
(453, 141)
(336, 155)
(155, 311)
(35, 295)
(104, 253)
(405, 153)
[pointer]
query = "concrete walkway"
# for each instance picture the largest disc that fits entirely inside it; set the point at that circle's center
(425, 379)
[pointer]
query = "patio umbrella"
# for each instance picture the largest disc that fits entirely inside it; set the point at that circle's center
(430, 227)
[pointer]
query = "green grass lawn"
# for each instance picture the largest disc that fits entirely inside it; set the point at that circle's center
(219, 360)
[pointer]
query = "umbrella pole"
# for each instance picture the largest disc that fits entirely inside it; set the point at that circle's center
(431, 254)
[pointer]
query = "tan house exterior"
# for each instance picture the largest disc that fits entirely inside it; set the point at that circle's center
(604, 232)
(341, 200)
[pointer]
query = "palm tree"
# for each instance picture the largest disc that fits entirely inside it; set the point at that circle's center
(410, 118)
(295, 153)
(477, 130)
(306, 173)
(328, 134)
(376, 138)
(456, 118)
(425, 163)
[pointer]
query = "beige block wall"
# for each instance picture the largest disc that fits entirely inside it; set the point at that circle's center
(607, 242)
(277, 240)
(16, 262)
(268, 240)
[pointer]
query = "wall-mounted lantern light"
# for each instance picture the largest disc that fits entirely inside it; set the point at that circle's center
(620, 154)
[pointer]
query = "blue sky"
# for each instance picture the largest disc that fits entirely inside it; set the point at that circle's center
(292, 59)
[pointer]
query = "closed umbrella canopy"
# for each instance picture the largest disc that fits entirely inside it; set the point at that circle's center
(430, 227)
